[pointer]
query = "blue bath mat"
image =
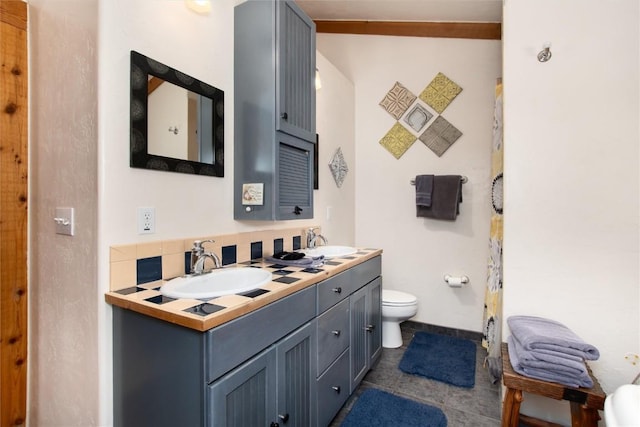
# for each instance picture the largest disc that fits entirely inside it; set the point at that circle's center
(377, 408)
(443, 358)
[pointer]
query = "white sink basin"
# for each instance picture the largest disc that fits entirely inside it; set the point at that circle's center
(622, 408)
(223, 281)
(330, 251)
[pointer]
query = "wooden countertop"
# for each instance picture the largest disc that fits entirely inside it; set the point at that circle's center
(204, 315)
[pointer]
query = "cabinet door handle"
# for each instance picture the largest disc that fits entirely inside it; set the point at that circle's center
(336, 388)
(284, 418)
(337, 290)
(284, 116)
(369, 328)
(297, 210)
(336, 333)
(274, 425)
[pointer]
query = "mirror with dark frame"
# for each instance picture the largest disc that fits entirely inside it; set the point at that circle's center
(177, 121)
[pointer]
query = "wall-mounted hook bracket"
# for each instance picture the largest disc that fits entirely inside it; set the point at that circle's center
(545, 54)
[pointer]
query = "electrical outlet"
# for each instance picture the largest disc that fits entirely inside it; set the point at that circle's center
(146, 220)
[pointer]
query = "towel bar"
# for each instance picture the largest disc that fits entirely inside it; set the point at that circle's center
(463, 179)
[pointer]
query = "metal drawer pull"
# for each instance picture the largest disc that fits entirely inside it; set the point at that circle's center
(369, 328)
(336, 333)
(336, 388)
(337, 290)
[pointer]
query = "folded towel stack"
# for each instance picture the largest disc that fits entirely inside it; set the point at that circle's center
(306, 262)
(548, 350)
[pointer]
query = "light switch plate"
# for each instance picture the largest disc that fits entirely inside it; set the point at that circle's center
(64, 221)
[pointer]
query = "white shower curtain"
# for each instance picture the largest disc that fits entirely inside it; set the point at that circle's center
(492, 319)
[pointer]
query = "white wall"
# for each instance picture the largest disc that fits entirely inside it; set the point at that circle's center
(334, 206)
(571, 245)
(418, 252)
(63, 302)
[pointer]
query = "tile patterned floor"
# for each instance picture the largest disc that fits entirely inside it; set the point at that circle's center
(477, 407)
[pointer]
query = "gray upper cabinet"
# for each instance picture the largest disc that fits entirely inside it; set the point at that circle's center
(275, 111)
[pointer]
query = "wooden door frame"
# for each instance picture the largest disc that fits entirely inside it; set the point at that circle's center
(13, 212)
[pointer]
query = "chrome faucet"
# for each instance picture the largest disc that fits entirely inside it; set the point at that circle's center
(199, 256)
(312, 238)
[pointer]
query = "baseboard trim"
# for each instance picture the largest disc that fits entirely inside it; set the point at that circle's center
(442, 330)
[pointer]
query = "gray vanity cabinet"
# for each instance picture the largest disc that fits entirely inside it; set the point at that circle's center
(275, 109)
(274, 388)
(293, 362)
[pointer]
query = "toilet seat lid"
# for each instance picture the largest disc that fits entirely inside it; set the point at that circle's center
(397, 298)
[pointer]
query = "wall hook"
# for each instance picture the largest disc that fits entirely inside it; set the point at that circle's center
(545, 54)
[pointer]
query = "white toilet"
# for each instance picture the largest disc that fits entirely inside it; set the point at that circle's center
(622, 407)
(396, 308)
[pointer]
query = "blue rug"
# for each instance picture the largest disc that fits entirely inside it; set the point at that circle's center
(442, 358)
(377, 408)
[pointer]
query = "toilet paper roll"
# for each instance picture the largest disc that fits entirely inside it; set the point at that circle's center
(456, 281)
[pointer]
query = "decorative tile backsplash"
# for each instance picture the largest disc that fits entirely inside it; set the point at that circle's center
(415, 117)
(145, 263)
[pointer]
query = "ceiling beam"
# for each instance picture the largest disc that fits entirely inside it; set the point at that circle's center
(456, 30)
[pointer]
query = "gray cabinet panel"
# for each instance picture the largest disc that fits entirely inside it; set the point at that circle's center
(155, 362)
(246, 396)
(333, 389)
(295, 94)
(333, 334)
(294, 172)
(296, 398)
(358, 346)
(277, 386)
(366, 329)
(234, 342)
(367, 271)
(374, 312)
(335, 289)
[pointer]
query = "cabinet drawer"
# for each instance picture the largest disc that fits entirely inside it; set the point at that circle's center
(335, 289)
(230, 344)
(333, 389)
(333, 334)
(367, 271)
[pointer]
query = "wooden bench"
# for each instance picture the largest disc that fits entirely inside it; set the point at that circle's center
(585, 402)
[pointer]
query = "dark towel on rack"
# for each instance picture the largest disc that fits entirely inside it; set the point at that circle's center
(424, 188)
(446, 197)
